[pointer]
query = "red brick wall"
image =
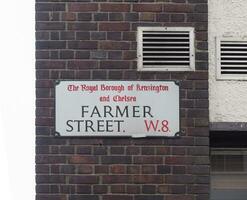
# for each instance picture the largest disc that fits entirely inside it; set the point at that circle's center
(96, 40)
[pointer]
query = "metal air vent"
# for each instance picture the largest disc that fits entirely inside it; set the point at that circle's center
(232, 59)
(165, 48)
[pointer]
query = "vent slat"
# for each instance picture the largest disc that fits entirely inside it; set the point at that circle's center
(164, 37)
(161, 56)
(233, 57)
(233, 48)
(162, 42)
(165, 52)
(166, 47)
(166, 62)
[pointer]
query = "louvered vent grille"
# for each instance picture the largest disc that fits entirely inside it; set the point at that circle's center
(233, 58)
(166, 49)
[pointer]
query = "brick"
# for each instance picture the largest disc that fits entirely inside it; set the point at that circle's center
(114, 45)
(197, 1)
(85, 179)
(42, 16)
(133, 189)
(83, 189)
(178, 1)
(198, 113)
(99, 150)
(100, 16)
(146, 179)
(129, 36)
(147, 7)
(66, 189)
(116, 159)
(82, 44)
(120, 197)
(178, 8)
(116, 179)
(51, 179)
(148, 189)
(198, 189)
(41, 35)
(199, 169)
(201, 8)
(148, 160)
(82, 7)
(50, 26)
(85, 169)
(117, 150)
(98, 35)
(178, 170)
(50, 64)
(115, 75)
(99, 74)
(116, 17)
(68, 16)
(50, 7)
(80, 64)
(117, 169)
(82, 54)
(198, 76)
(117, 7)
(197, 94)
(42, 189)
(66, 54)
(162, 17)
(199, 151)
(67, 35)
(84, 16)
(67, 74)
(177, 17)
(180, 196)
(67, 169)
(100, 189)
(178, 151)
(147, 16)
(114, 36)
(85, 150)
(201, 103)
(44, 103)
(201, 122)
(133, 169)
(201, 26)
(131, 17)
(114, 65)
(148, 169)
(113, 26)
(177, 160)
(83, 160)
(82, 26)
(83, 197)
(179, 179)
(132, 150)
(44, 84)
(83, 74)
(98, 55)
(197, 17)
(101, 169)
(203, 179)
(118, 189)
(50, 197)
(149, 197)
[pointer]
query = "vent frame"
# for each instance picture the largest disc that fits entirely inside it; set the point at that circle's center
(233, 76)
(179, 30)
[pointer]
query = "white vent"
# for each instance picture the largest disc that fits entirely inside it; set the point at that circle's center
(165, 48)
(231, 59)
